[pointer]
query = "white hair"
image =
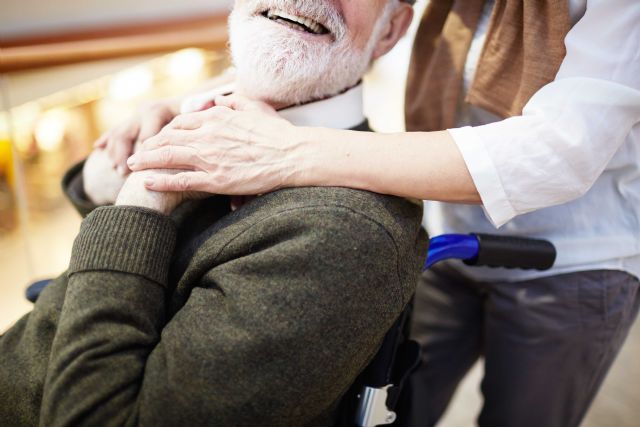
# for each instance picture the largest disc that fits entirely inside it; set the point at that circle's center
(274, 66)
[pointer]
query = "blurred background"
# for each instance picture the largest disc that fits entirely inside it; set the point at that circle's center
(71, 69)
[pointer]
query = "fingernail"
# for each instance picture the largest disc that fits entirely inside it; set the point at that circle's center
(131, 161)
(149, 181)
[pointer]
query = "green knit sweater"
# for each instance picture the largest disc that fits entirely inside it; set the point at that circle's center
(262, 316)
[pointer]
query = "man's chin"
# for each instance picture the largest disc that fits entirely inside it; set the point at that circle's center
(279, 89)
(277, 66)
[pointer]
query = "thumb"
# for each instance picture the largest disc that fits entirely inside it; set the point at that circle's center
(241, 103)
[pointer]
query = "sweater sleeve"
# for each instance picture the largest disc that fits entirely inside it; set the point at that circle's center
(282, 318)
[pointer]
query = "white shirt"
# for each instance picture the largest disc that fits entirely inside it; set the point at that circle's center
(568, 169)
(343, 111)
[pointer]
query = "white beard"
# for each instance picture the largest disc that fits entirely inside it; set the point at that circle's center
(275, 65)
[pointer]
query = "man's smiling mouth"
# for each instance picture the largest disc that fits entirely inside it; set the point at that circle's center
(296, 22)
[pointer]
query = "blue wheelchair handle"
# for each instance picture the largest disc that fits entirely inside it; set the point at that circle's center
(451, 246)
(492, 251)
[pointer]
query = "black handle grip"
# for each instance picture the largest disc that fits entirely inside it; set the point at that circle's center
(514, 252)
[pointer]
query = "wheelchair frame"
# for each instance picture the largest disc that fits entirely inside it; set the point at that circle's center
(378, 397)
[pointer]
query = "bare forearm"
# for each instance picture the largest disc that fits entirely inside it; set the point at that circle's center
(239, 149)
(422, 165)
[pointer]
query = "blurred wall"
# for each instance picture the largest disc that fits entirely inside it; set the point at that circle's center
(30, 17)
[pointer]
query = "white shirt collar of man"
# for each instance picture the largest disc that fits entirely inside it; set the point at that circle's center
(343, 111)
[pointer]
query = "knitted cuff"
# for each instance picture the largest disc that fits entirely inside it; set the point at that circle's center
(125, 239)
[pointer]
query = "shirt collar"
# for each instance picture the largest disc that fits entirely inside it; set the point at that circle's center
(343, 111)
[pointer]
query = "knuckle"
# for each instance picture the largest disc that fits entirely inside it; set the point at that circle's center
(111, 145)
(158, 140)
(120, 153)
(153, 109)
(166, 156)
(193, 157)
(218, 111)
(117, 139)
(104, 137)
(183, 183)
(128, 132)
(149, 142)
(221, 180)
(177, 121)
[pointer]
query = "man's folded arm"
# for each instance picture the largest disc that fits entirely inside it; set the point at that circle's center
(283, 316)
(113, 313)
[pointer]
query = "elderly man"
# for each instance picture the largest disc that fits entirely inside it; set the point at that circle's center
(184, 312)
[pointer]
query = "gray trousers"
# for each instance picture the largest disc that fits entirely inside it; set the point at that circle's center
(547, 343)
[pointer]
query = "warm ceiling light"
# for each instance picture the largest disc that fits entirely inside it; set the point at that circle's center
(130, 84)
(186, 63)
(50, 129)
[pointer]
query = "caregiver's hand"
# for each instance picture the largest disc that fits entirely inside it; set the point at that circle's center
(222, 150)
(244, 148)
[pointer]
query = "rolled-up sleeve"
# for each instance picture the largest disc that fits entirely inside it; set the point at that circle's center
(571, 128)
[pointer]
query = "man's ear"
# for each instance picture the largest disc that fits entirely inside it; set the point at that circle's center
(396, 28)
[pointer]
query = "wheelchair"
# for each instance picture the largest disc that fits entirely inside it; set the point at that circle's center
(376, 397)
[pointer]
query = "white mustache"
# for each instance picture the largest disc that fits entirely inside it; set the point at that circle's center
(321, 11)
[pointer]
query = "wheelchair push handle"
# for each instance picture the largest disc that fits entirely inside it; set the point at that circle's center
(493, 251)
(513, 252)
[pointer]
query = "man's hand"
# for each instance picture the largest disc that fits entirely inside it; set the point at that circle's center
(101, 182)
(105, 170)
(119, 142)
(134, 193)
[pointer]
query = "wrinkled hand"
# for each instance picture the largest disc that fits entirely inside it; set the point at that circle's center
(101, 182)
(119, 142)
(238, 147)
(134, 193)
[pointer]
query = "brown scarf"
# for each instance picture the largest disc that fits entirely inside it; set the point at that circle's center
(523, 51)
